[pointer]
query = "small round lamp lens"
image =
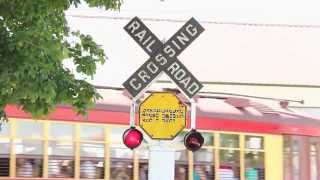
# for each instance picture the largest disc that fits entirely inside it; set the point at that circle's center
(132, 138)
(193, 140)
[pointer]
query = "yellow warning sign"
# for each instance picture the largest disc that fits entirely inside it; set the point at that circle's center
(162, 115)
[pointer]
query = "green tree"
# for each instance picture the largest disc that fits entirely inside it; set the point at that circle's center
(33, 46)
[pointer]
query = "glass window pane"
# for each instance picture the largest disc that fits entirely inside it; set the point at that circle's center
(208, 139)
(29, 158)
(28, 147)
(203, 164)
(181, 165)
(143, 161)
(60, 167)
(91, 161)
(254, 165)
(29, 129)
(4, 157)
(143, 170)
(5, 129)
(121, 163)
(229, 140)
(229, 164)
(4, 146)
(61, 159)
(178, 141)
(143, 153)
(313, 161)
(203, 155)
(91, 150)
(60, 148)
(116, 134)
(254, 142)
(181, 156)
(29, 166)
(92, 133)
(120, 151)
(61, 131)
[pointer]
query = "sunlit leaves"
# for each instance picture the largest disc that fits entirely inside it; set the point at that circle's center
(33, 46)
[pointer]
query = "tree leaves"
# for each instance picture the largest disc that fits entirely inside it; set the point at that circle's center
(33, 45)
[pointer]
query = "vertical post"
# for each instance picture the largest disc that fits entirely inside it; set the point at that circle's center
(132, 113)
(135, 164)
(12, 149)
(273, 157)
(304, 157)
(45, 149)
(318, 159)
(106, 153)
(193, 114)
(242, 157)
(190, 165)
(161, 162)
(216, 156)
(77, 152)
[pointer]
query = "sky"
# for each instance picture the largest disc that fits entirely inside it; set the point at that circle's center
(231, 51)
(249, 11)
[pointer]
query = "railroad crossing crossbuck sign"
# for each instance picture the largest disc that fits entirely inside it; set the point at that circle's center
(163, 57)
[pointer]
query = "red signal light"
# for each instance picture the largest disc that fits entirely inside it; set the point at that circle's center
(193, 140)
(132, 137)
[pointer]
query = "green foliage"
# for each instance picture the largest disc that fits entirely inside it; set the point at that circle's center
(33, 45)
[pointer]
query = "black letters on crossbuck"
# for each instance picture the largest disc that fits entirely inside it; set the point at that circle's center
(163, 57)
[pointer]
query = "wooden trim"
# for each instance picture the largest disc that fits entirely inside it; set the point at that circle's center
(106, 153)
(273, 157)
(242, 156)
(45, 150)
(216, 155)
(77, 152)
(190, 165)
(12, 149)
(135, 164)
(318, 159)
(304, 157)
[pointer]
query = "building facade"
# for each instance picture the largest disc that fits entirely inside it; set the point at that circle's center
(244, 139)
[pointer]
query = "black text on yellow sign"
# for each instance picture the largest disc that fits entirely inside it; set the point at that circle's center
(162, 115)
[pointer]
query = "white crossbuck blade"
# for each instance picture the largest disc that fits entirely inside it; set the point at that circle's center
(163, 57)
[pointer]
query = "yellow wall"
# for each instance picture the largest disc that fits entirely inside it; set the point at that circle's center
(273, 150)
(274, 157)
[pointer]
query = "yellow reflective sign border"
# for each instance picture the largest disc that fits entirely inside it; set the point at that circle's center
(168, 136)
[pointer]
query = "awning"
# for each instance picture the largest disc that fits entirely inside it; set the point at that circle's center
(224, 113)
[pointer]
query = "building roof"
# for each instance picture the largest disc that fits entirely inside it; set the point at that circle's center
(225, 113)
(222, 106)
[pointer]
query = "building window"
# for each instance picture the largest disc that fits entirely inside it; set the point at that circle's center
(143, 161)
(229, 164)
(61, 159)
(91, 152)
(181, 164)
(92, 133)
(91, 161)
(254, 158)
(203, 164)
(121, 162)
(64, 143)
(5, 129)
(229, 155)
(29, 129)
(4, 157)
(313, 161)
(61, 131)
(229, 140)
(29, 158)
(254, 165)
